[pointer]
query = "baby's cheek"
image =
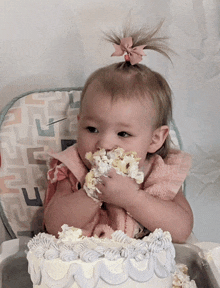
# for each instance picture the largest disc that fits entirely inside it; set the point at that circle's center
(87, 164)
(82, 153)
(85, 161)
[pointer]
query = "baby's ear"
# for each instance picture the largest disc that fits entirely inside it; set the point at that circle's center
(159, 136)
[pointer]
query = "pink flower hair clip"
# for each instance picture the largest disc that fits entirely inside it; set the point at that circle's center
(134, 54)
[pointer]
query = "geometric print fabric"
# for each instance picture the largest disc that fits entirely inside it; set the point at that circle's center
(29, 127)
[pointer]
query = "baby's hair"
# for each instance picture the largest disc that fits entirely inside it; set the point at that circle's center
(123, 80)
(142, 36)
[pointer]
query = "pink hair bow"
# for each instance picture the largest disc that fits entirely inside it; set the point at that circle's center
(134, 55)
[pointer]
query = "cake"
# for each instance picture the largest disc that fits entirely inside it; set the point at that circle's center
(74, 261)
(125, 163)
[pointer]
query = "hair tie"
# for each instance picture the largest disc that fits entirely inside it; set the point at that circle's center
(134, 54)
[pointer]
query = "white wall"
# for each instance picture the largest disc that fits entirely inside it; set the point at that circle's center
(58, 43)
(196, 85)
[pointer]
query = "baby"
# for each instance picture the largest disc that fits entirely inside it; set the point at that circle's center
(124, 105)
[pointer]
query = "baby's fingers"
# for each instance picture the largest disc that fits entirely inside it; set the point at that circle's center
(111, 173)
(99, 191)
(99, 187)
(103, 179)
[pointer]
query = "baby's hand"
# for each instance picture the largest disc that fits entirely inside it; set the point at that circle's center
(117, 189)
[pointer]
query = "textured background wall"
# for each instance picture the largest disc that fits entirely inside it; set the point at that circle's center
(58, 43)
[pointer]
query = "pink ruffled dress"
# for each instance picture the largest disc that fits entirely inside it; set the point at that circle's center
(164, 181)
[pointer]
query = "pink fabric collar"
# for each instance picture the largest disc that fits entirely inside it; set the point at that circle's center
(76, 167)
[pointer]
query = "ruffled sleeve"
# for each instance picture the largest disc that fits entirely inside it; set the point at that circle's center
(58, 172)
(167, 175)
(65, 165)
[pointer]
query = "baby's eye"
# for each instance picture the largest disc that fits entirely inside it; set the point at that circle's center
(123, 134)
(92, 129)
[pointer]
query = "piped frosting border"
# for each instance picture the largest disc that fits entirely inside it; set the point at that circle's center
(135, 258)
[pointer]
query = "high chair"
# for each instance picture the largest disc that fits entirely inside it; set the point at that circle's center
(29, 125)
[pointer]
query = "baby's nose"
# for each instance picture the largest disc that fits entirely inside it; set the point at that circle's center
(106, 143)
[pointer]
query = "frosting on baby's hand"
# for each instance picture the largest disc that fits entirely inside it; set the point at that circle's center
(125, 163)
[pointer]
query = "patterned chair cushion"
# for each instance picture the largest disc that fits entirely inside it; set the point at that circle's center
(29, 125)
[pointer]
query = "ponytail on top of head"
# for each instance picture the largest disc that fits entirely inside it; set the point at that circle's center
(142, 37)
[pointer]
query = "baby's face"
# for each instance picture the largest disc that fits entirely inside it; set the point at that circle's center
(125, 123)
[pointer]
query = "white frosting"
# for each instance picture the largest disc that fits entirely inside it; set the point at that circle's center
(214, 255)
(83, 261)
(125, 163)
(69, 234)
(181, 278)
